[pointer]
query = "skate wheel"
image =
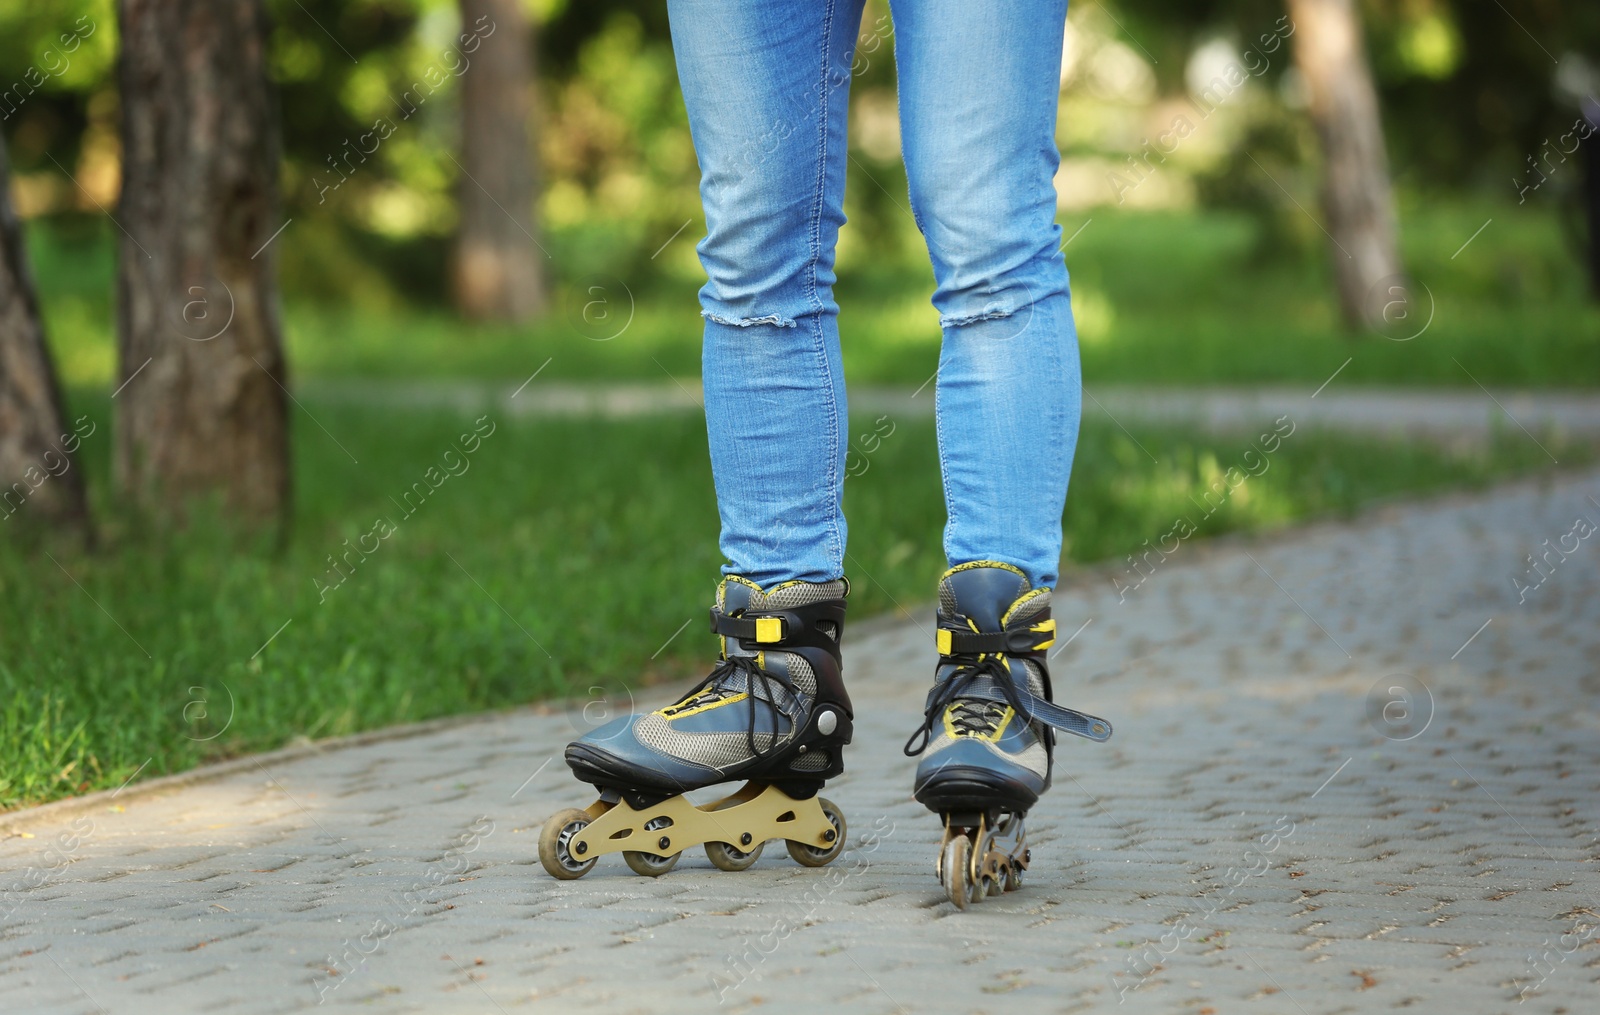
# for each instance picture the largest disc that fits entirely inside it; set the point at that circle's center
(650, 865)
(553, 843)
(954, 868)
(730, 858)
(991, 877)
(817, 856)
(986, 877)
(981, 888)
(1013, 878)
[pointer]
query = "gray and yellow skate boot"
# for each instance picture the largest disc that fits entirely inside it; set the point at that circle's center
(988, 735)
(773, 711)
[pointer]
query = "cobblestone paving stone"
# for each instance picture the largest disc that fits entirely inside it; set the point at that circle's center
(1272, 829)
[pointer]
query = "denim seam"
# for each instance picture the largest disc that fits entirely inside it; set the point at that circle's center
(1059, 423)
(819, 195)
(819, 200)
(944, 464)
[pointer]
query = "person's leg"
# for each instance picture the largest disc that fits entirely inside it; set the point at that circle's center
(978, 88)
(766, 84)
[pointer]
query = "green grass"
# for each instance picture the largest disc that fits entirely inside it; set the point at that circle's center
(1161, 298)
(562, 559)
(570, 551)
(1196, 304)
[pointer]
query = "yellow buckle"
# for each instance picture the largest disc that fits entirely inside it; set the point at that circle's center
(945, 641)
(1047, 627)
(769, 629)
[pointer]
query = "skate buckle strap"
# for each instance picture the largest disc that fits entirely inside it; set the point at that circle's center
(1067, 720)
(1030, 705)
(1033, 638)
(761, 630)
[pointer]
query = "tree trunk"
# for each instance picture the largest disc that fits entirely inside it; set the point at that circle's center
(201, 410)
(498, 268)
(38, 465)
(1356, 198)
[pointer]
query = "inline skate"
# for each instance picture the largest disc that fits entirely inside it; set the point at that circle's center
(988, 732)
(773, 712)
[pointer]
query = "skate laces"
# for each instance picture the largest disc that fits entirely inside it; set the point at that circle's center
(722, 683)
(973, 715)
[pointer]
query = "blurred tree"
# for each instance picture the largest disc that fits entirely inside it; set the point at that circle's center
(202, 403)
(1591, 195)
(622, 175)
(1465, 90)
(36, 448)
(497, 271)
(1357, 201)
(55, 61)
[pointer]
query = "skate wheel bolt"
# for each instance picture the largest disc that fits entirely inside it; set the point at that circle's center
(744, 840)
(1098, 728)
(664, 842)
(829, 835)
(581, 848)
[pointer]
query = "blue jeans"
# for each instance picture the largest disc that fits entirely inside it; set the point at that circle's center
(767, 83)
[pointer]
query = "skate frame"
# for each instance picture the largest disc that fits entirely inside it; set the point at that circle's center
(998, 853)
(754, 814)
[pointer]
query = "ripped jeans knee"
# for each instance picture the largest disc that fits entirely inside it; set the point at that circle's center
(993, 312)
(776, 320)
(998, 300)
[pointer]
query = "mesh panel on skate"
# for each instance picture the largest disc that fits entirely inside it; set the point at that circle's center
(787, 597)
(1036, 604)
(939, 742)
(1033, 759)
(714, 750)
(816, 761)
(1035, 678)
(801, 673)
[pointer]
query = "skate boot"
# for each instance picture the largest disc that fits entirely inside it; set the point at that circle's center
(988, 736)
(772, 712)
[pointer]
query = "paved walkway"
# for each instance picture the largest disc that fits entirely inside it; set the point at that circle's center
(1272, 829)
(1468, 413)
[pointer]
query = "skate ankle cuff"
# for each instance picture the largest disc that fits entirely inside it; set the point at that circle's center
(1016, 641)
(761, 630)
(816, 625)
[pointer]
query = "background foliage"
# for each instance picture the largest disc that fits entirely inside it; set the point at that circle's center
(1212, 271)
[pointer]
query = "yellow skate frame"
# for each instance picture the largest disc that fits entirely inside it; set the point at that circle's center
(762, 812)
